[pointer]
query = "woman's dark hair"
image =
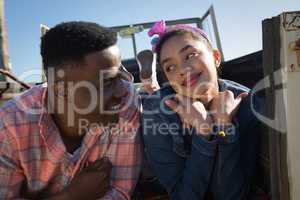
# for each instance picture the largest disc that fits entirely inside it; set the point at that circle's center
(179, 32)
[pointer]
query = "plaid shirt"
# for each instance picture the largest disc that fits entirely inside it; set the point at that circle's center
(34, 160)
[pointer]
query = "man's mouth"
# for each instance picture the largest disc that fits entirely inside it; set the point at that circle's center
(192, 80)
(114, 106)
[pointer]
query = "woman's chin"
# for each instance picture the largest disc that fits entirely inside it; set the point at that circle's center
(204, 97)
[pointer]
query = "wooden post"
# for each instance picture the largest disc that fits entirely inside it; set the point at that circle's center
(290, 60)
(277, 140)
(281, 63)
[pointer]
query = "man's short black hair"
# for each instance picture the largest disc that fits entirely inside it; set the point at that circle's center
(71, 41)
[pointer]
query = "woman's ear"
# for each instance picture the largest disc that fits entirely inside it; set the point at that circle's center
(217, 57)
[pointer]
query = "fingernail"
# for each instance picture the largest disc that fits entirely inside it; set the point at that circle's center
(245, 94)
(167, 102)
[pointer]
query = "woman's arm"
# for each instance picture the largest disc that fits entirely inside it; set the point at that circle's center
(183, 177)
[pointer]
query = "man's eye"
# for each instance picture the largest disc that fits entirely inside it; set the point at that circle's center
(170, 68)
(191, 55)
(108, 82)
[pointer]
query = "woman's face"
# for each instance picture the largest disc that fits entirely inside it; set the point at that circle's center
(190, 67)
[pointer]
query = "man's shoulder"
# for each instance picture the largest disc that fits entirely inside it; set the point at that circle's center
(155, 99)
(23, 108)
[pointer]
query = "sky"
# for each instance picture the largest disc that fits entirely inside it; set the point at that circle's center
(239, 22)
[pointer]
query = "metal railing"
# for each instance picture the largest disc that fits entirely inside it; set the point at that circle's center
(197, 20)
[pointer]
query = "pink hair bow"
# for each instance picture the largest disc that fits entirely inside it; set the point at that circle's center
(158, 28)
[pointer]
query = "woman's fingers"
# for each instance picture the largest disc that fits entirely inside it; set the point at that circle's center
(186, 125)
(180, 99)
(175, 106)
(239, 98)
(237, 102)
(178, 108)
(243, 95)
(186, 102)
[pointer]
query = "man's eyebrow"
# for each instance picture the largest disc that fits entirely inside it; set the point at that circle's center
(165, 61)
(109, 73)
(185, 48)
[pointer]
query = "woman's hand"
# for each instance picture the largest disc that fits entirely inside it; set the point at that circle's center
(224, 107)
(192, 113)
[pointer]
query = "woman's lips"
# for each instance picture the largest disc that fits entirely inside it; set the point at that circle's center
(191, 80)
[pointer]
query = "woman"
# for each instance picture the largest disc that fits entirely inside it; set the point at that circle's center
(200, 134)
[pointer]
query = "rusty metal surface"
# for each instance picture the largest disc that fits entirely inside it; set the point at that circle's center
(4, 59)
(290, 34)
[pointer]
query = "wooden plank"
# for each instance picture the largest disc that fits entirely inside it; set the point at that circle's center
(290, 59)
(277, 140)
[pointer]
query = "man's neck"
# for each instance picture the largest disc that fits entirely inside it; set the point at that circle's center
(70, 135)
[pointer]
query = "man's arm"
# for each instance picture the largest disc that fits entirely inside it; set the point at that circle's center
(11, 174)
(126, 148)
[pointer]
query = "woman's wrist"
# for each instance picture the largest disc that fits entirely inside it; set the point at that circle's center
(204, 128)
(221, 120)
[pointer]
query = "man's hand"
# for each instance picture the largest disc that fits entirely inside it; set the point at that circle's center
(93, 182)
(224, 107)
(192, 113)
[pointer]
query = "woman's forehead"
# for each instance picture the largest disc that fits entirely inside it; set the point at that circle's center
(174, 45)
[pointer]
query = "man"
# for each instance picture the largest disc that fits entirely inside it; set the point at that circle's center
(76, 136)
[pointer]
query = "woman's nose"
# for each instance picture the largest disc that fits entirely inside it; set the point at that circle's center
(184, 69)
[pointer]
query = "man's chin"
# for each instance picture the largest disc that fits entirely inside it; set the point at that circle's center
(103, 119)
(109, 119)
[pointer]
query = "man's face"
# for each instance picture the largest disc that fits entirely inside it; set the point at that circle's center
(94, 88)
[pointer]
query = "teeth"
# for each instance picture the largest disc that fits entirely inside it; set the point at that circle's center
(116, 107)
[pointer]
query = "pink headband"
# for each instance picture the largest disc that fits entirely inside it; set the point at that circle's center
(160, 29)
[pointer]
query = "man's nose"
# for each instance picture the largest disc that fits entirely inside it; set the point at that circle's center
(120, 89)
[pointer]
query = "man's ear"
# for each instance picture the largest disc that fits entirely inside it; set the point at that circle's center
(217, 57)
(59, 89)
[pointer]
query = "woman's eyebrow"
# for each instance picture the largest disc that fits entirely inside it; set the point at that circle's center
(185, 48)
(180, 51)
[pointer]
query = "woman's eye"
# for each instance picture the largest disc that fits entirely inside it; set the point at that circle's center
(170, 68)
(193, 54)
